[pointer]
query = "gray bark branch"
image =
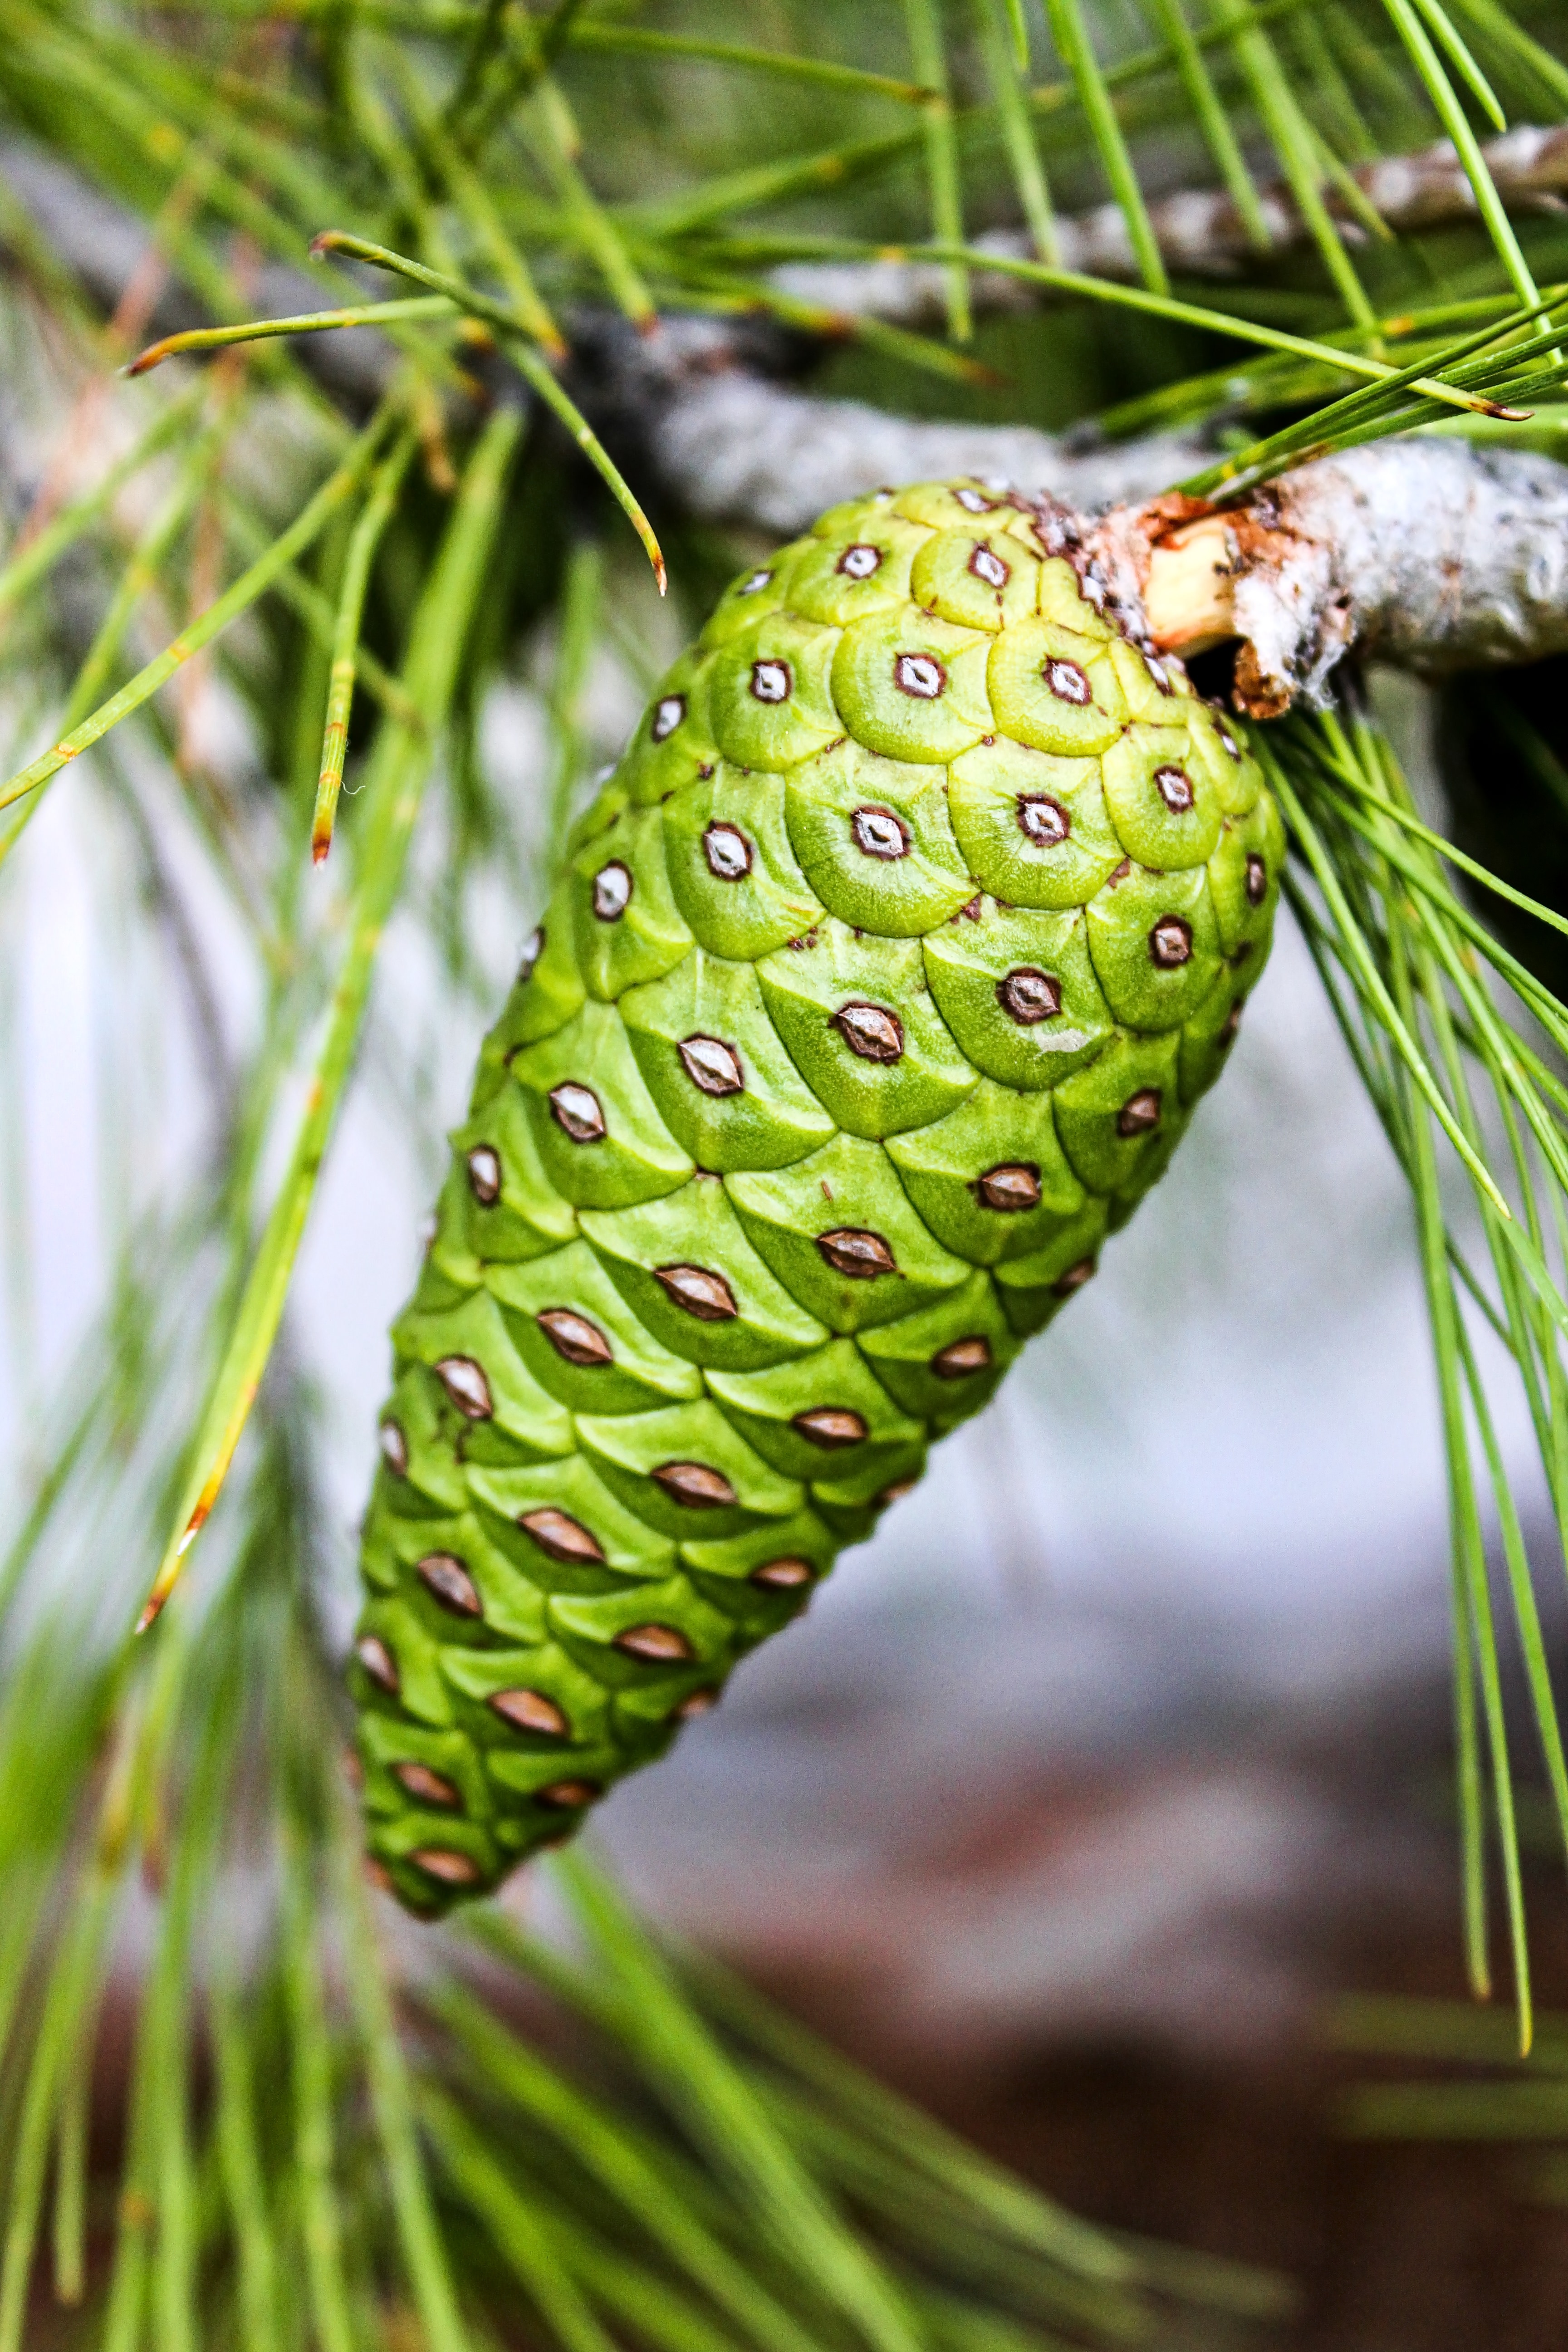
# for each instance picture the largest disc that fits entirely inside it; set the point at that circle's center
(730, 446)
(1200, 232)
(1426, 552)
(1429, 554)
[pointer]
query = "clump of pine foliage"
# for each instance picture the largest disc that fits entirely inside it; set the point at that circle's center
(336, 2131)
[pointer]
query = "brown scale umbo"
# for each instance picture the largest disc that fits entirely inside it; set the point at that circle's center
(1027, 995)
(783, 1575)
(452, 1869)
(711, 1066)
(574, 1338)
(1012, 1186)
(575, 1111)
(393, 1449)
(561, 1537)
(659, 1645)
(465, 1384)
(702, 1291)
(532, 949)
(378, 1663)
(1068, 682)
(1074, 1278)
(427, 1787)
(919, 675)
(870, 1031)
(569, 1794)
(830, 1426)
(860, 1255)
(878, 833)
(611, 891)
(1139, 1112)
(448, 1582)
(726, 851)
(485, 1175)
(695, 1485)
(1043, 819)
(530, 1710)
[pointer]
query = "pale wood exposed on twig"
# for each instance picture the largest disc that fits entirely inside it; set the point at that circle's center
(1426, 554)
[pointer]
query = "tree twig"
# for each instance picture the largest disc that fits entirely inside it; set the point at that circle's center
(1426, 554)
(1200, 232)
(1433, 554)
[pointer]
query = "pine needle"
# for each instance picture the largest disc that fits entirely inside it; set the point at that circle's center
(395, 792)
(366, 538)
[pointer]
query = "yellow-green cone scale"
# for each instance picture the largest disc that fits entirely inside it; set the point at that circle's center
(879, 986)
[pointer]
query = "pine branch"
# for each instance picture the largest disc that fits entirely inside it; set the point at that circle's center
(1433, 556)
(1428, 554)
(1202, 232)
(1199, 231)
(731, 446)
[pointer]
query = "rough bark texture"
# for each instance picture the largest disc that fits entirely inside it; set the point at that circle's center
(1426, 554)
(731, 447)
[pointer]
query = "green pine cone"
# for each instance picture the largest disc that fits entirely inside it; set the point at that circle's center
(880, 984)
